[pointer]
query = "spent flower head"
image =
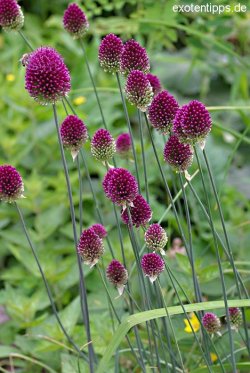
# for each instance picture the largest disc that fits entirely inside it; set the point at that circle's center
(235, 317)
(11, 15)
(90, 247)
(110, 51)
(152, 265)
(117, 275)
(156, 238)
(74, 134)
(138, 90)
(139, 211)
(102, 145)
(47, 78)
(11, 184)
(134, 57)
(75, 21)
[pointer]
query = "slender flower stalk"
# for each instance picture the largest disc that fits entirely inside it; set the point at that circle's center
(143, 156)
(80, 194)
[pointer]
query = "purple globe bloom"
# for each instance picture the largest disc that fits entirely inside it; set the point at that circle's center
(211, 323)
(117, 275)
(138, 90)
(140, 212)
(47, 78)
(177, 154)
(11, 15)
(75, 21)
(90, 247)
(123, 144)
(156, 238)
(152, 265)
(134, 57)
(11, 184)
(120, 186)
(192, 123)
(162, 111)
(155, 83)
(102, 145)
(110, 51)
(235, 317)
(100, 230)
(74, 134)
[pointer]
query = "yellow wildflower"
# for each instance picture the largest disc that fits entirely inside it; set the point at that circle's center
(10, 77)
(79, 100)
(214, 357)
(193, 320)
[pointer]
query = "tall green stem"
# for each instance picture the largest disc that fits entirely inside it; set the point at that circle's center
(143, 155)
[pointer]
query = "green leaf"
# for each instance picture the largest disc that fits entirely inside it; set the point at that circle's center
(242, 367)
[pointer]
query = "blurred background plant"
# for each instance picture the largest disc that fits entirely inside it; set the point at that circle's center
(195, 55)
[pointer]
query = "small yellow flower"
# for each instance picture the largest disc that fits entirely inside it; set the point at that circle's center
(10, 77)
(214, 357)
(79, 100)
(193, 320)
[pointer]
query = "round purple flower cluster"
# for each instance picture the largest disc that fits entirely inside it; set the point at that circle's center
(100, 230)
(90, 247)
(117, 275)
(138, 90)
(162, 111)
(75, 21)
(102, 145)
(156, 238)
(123, 144)
(11, 184)
(192, 122)
(211, 323)
(155, 83)
(235, 316)
(73, 133)
(110, 51)
(120, 186)
(140, 212)
(11, 15)
(177, 154)
(47, 78)
(134, 57)
(152, 265)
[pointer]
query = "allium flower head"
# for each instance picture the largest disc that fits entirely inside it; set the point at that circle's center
(120, 186)
(138, 90)
(156, 238)
(75, 21)
(110, 51)
(177, 154)
(102, 145)
(211, 323)
(162, 111)
(117, 275)
(192, 122)
(155, 83)
(11, 15)
(90, 247)
(47, 78)
(235, 316)
(140, 212)
(123, 144)
(100, 230)
(152, 265)
(134, 57)
(11, 184)
(73, 133)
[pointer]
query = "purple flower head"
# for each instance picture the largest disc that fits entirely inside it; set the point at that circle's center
(192, 122)
(47, 78)
(100, 230)
(11, 15)
(120, 186)
(156, 238)
(134, 57)
(155, 83)
(102, 145)
(73, 133)
(11, 184)
(117, 275)
(75, 21)
(177, 154)
(123, 144)
(138, 90)
(90, 247)
(140, 212)
(110, 51)
(211, 323)
(235, 316)
(152, 265)
(162, 111)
